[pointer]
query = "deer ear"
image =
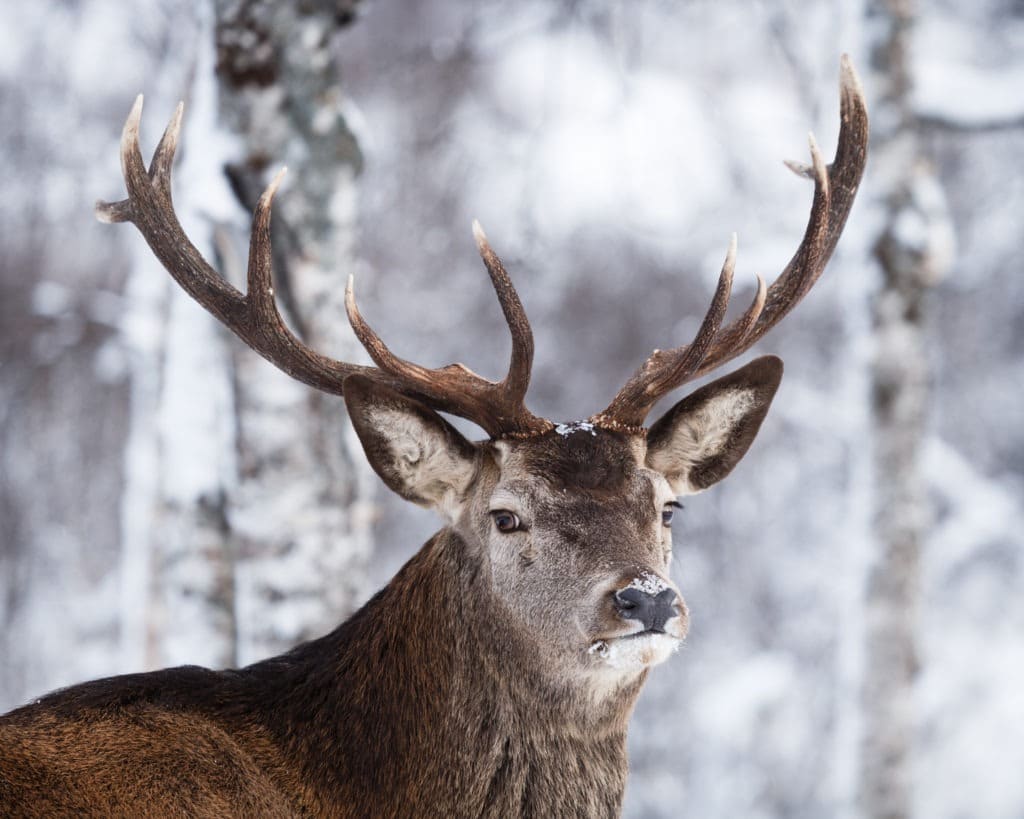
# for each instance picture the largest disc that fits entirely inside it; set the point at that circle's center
(414, 450)
(698, 442)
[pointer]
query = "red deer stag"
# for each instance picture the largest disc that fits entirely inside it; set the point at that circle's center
(495, 674)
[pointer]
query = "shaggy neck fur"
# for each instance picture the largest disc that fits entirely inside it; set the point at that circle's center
(424, 703)
(425, 696)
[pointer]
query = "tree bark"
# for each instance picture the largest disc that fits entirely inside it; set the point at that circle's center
(261, 533)
(912, 252)
(300, 534)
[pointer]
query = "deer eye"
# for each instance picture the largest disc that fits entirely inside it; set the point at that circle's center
(505, 521)
(669, 512)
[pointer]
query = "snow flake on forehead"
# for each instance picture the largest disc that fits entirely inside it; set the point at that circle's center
(648, 583)
(568, 428)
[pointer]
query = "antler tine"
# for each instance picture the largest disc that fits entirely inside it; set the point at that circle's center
(259, 273)
(498, 407)
(265, 330)
(163, 157)
(253, 318)
(847, 168)
(828, 218)
(793, 283)
(375, 346)
(518, 379)
(667, 369)
(152, 213)
(834, 189)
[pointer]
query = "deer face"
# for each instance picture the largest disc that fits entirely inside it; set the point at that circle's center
(572, 525)
(578, 534)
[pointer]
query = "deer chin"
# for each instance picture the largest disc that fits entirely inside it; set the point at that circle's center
(633, 652)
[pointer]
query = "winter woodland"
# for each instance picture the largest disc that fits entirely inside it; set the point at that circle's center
(856, 586)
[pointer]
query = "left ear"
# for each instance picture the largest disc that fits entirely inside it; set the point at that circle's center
(414, 450)
(698, 442)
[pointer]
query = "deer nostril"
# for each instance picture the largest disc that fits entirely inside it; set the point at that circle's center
(631, 602)
(652, 610)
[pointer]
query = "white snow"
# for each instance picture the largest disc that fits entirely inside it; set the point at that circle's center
(569, 427)
(51, 299)
(952, 83)
(610, 153)
(597, 142)
(648, 583)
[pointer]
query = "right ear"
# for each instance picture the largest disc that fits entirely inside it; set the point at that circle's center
(414, 450)
(699, 441)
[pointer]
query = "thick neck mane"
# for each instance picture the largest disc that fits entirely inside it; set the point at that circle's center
(425, 697)
(427, 678)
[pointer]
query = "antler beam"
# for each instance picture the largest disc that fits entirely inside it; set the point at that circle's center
(834, 190)
(497, 407)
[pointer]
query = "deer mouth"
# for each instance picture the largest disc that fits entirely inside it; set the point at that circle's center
(645, 633)
(638, 650)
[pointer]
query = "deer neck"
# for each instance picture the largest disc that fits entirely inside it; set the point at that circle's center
(451, 641)
(425, 678)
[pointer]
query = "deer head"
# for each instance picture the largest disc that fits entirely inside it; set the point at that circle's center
(569, 523)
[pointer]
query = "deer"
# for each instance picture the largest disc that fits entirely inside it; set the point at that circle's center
(496, 673)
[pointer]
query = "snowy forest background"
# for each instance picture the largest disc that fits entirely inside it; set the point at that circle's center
(857, 586)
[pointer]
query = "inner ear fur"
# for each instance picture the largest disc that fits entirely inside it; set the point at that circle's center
(699, 441)
(415, 451)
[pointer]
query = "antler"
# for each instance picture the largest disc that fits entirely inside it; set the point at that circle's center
(497, 407)
(834, 190)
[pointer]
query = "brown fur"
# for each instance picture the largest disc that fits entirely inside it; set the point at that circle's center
(469, 686)
(371, 720)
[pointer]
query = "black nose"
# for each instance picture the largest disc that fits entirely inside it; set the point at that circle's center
(653, 610)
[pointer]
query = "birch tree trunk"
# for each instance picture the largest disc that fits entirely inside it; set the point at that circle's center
(912, 251)
(178, 564)
(260, 537)
(300, 533)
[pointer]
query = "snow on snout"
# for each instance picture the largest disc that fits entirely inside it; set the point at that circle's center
(648, 583)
